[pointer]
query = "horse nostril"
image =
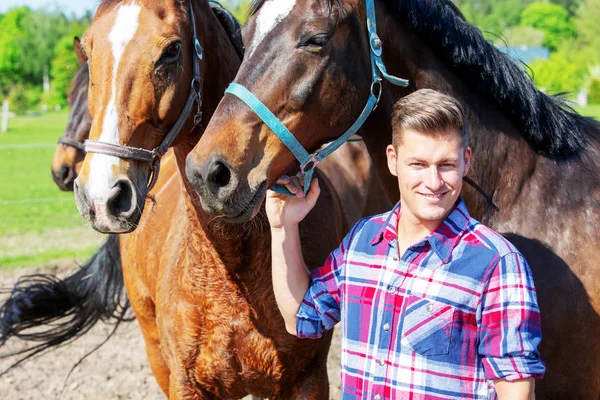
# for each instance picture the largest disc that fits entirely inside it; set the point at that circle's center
(92, 212)
(122, 202)
(219, 174)
(63, 173)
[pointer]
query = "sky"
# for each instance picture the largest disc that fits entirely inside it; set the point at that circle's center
(68, 7)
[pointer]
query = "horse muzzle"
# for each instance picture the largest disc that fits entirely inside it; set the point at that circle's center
(220, 191)
(114, 210)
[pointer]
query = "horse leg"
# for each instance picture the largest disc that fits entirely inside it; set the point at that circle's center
(159, 367)
(312, 383)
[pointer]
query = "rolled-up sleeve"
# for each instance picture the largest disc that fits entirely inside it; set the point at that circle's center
(320, 308)
(510, 329)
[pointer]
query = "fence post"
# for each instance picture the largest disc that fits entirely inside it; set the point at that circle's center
(5, 115)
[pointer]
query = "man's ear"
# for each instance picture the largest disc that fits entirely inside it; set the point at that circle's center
(467, 161)
(392, 160)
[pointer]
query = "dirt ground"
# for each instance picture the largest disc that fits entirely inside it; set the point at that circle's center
(118, 370)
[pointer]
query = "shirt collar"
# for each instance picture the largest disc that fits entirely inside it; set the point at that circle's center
(443, 239)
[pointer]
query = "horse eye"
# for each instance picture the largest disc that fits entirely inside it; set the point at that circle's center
(316, 42)
(171, 53)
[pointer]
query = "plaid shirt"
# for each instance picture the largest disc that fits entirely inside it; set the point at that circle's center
(456, 311)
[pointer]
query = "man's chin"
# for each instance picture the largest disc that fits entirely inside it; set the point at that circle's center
(433, 213)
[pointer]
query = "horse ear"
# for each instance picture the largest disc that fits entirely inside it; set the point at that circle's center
(81, 57)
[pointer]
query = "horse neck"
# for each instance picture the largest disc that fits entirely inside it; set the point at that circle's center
(218, 67)
(497, 144)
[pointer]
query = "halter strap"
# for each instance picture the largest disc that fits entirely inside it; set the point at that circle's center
(71, 142)
(153, 156)
(309, 161)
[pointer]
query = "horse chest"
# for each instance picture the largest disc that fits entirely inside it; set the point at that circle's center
(222, 334)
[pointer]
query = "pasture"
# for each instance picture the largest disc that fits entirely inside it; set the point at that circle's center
(39, 224)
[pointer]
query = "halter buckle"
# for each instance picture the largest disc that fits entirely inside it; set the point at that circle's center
(198, 48)
(376, 45)
(310, 164)
(195, 87)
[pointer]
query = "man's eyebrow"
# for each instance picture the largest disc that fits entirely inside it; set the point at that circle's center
(415, 159)
(451, 159)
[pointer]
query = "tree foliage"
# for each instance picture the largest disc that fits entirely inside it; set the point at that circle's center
(521, 35)
(64, 67)
(553, 20)
(567, 70)
(12, 37)
(588, 24)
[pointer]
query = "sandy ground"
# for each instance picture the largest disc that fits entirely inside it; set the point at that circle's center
(118, 370)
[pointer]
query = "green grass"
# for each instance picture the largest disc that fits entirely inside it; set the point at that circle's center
(32, 208)
(592, 110)
(46, 258)
(29, 199)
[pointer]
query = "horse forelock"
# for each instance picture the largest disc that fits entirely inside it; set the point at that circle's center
(548, 123)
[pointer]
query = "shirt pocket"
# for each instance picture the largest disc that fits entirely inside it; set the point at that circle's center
(427, 327)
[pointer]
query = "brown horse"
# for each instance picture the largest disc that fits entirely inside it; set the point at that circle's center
(538, 161)
(69, 153)
(199, 287)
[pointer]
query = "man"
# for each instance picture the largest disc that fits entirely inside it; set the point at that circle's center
(433, 304)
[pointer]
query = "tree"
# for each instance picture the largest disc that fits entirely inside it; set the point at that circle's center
(588, 24)
(553, 20)
(44, 29)
(11, 36)
(64, 67)
(521, 35)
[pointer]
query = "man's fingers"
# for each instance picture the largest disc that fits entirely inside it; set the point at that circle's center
(283, 180)
(313, 192)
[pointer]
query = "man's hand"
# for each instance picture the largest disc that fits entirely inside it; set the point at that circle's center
(284, 210)
(289, 274)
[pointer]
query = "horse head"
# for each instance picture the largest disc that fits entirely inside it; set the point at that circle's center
(145, 65)
(308, 62)
(69, 153)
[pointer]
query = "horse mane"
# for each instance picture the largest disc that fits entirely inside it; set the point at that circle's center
(548, 123)
(231, 25)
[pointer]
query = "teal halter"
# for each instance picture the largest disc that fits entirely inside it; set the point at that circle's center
(308, 162)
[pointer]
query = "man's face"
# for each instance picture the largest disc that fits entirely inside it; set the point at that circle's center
(430, 171)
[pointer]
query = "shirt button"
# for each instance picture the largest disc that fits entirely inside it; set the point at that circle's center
(430, 309)
(386, 327)
(391, 289)
(381, 362)
(377, 397)
(395, 258)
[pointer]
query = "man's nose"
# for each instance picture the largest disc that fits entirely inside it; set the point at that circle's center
(434, 179)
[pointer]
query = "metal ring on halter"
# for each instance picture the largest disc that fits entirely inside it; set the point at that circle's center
(154, 170)
(311, 163)
(380, 85)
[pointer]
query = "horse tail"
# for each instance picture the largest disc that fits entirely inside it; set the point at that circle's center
(67, 308)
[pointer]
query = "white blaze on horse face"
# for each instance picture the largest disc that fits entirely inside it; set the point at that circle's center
(270, 14)
(101, 178)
